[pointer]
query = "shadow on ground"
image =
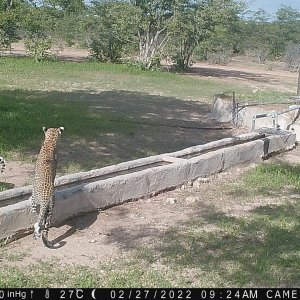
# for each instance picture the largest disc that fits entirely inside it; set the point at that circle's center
(222, 73)
(104, 128)
(76, 224)
(258, 251)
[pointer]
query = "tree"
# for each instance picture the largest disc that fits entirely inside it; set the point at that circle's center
(8, 29)
(258, 35)
(37, 27)
(66, 17)
(66, 7)
(201, 22)
(9, 15)
(292, 60)
(285, 29)
(108, 28)
(153, 19)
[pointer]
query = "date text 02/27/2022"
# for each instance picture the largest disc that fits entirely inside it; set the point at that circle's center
(151, 293)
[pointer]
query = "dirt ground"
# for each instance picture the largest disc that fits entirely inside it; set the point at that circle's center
(116, 231)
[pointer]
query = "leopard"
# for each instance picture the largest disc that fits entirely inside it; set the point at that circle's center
(43, 192)
(2, 164)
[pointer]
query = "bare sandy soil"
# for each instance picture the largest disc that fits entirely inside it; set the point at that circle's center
(115, 232)
(271, 75)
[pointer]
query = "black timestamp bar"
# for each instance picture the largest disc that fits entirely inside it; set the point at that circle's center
(151, 293)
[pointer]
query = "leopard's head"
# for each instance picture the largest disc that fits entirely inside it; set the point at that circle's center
(53, 134)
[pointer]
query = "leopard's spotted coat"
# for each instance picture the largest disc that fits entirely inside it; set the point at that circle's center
(43, 187)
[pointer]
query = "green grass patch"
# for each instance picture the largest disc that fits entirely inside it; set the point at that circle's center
(116, 274)
(5, 186)
(270, 179)
(268, 95)
(24, 73)
(22, 119)
(90, 99)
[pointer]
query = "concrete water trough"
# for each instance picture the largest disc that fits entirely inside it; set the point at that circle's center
(102, 188)
(252, 115)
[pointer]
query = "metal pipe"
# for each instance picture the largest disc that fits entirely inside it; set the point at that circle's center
(288, 110)
(273, 115)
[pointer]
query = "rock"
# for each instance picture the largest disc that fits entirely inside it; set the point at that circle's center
(171, 200)
(201, 180)
(191, 199)
(183, 187)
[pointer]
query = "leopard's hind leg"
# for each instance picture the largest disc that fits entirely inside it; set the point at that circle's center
(48, 221)
(40, 221)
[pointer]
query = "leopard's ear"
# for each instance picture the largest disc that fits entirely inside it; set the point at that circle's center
(45, 129)
(61, 129)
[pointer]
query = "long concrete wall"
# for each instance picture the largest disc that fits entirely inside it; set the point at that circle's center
(98, 189)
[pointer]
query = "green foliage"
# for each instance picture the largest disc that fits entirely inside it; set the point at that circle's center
(265, 37)
(109, 28)
(204, 23)
(286, 29)
(187, 30)
(68, 30)
(67, 16)
(257, 32)
(37, 27)
(38, 46)
(153, 19)
(10, 13)
(8, 29)
(68, 7)
(148, 31)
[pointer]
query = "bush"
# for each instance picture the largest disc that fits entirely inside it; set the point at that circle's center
(258, 55)
(38, 47)
(106, 50)
(219, 58)
(261, 55)
(8, 30)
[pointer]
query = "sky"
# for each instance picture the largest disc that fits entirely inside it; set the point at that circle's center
(271, 6)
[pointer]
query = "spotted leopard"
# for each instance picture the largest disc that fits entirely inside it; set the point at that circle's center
(2, 164)
(43, 186)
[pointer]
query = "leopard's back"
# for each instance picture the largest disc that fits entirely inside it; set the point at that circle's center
(45, 172)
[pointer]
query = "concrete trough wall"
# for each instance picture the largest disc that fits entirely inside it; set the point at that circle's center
(222, 110)
(98, 189)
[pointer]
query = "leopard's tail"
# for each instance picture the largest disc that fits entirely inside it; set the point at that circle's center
(2, 164)
(45, 240)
